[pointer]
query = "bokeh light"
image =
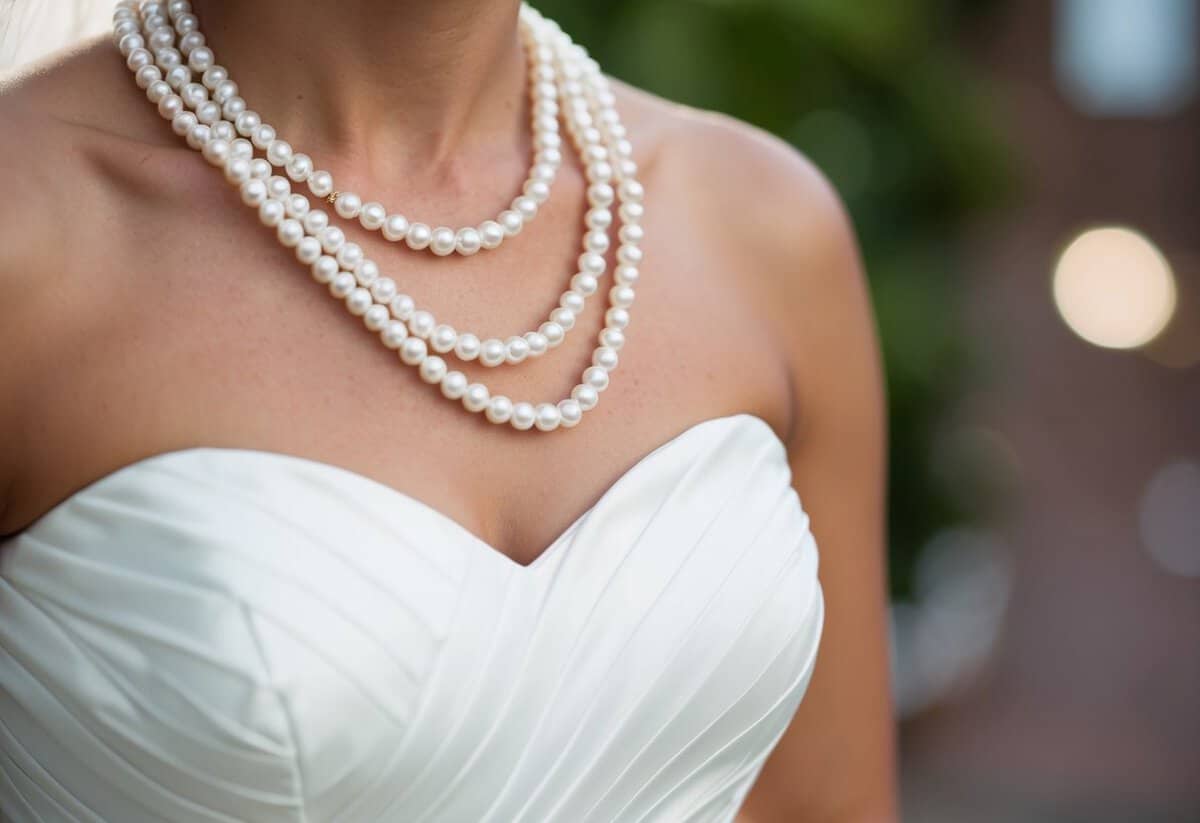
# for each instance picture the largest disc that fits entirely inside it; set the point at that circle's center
(1114, 288)
(1170, 518)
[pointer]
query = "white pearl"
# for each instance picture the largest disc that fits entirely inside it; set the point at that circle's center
(394, 333)
(342, 284)
(247, 122)
(595, 377)
(600, 195)
(348, 205)
(200, 58)
(232, 107)
(297, 205)
(376, 317)
(170, 105)
(395, 227)
(332, 238)
(278, 187)
(254, 192)
(572, 300)
(553, 332)
(499, 409)
(183, 122)
(632, 233)
(147, 75)
(223, 130)
(592, 263)
(584, 283)
(349, 255)
(523, 416)
(525, 206)
(631, 191)
(138, 58)
(492, 352)
(597, 219)
(278, 151)
(413, 350)
(190, 42)
(563, 317)
(629, 255)
(168, 58)
(299, 167)
(468, 241)
(612, 338)
(419, 236)
(586, 396)
(402, 306)
(467, 346)
(308, 250)
(194, 94)
(626, 275)
(224, 92)
(315, 221)
(621, 296)
(516, 349)
(491, 234)
(548, 417)
(605, 358)
(433, 369)
(208, 113)
(270, 212)
(443, 338)
(372, 215)
(290, 232)
(263, 137)
(320, 183)
(538, 344)
(421, 323)
(570, 412)
(358, 301)
(632, 212)
(476, 397)
(442, 241)
(537, 190)
(242, 148)
(454, 385)
(511, 221)
(157, 90)
(383, 289)
(178, 77)
(616, 317)
(367, 274)
(596, 241)
(325, 269)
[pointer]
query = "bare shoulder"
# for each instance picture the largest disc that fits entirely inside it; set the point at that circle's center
(771, 214)
(69, 142)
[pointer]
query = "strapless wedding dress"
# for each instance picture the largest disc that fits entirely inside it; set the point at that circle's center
(228, 634)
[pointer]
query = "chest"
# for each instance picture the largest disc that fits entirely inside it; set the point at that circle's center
(193, 325)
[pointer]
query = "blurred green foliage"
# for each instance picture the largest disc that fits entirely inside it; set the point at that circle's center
(880, 96)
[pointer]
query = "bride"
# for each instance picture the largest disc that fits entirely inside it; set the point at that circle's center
(497, 541)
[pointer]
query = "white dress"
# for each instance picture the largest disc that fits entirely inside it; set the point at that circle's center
(228, 634)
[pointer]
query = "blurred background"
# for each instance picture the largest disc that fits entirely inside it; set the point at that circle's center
(1024, 176)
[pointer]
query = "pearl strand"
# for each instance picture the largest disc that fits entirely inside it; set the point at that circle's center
(194, 54)
(466, 346)
(220, 148)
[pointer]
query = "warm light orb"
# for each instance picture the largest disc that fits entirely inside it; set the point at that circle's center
(1114, 288)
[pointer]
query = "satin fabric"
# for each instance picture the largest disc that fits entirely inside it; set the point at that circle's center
(225, 634)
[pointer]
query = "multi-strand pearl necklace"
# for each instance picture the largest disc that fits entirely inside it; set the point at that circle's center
(164, 48)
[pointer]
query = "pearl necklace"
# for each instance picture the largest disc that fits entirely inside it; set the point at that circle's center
(596, 131)
(373, 215)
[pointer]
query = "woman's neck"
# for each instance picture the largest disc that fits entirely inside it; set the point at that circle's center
(416, 81)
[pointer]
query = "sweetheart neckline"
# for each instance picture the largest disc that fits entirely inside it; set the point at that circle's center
(488, 548)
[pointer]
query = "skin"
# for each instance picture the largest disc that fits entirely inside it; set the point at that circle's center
(143, 309)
